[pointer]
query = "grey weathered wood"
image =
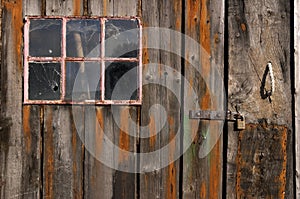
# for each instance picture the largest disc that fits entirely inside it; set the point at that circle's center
(101, 8)
(62, 155)
(259, 32)
(12, 148)
(297, 91)
(202, 163)
(163, 121)
(118, 184)
(32, 7)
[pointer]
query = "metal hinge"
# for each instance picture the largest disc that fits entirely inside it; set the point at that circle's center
(229, 116)
(215, 115)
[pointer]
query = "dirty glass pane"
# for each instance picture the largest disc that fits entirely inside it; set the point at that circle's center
(45, 37)
(83, 81)
(121, 81)
(121, 38)
(83, 38)
(44, 81)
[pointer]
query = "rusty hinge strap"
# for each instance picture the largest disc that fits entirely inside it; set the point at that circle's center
(208, 115)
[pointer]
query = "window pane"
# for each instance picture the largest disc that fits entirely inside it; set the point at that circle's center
(121, 81)
(83, 38)
(44, 81)
(45, 38)
(121, 38)
(83, 81)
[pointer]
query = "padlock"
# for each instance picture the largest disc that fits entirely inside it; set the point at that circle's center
(240, 123)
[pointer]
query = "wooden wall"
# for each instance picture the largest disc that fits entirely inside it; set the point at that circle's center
(42, 155)
(260, 159)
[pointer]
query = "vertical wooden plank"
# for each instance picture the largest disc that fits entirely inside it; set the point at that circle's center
(160, 111)
(32, 7)
(11, 144)
(101, 8)
(103, 125)
(98, 178)
(63, 155)
(32, 127)
(259, 32)
(202, 163)
(297, 91)
(63, 149)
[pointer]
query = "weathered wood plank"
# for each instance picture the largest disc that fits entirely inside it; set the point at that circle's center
(63, 155)
(98, 178)
(102, 128)
(297, 91)
(259, 32)
(66, 7)
(11, 144)
(202, 163)
(101, 8)
(32, 7)
(163, 121)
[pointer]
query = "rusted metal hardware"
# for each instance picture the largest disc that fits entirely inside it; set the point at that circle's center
(216, 115)
(236, 117)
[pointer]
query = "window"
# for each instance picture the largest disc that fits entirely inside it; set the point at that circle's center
(72, 60)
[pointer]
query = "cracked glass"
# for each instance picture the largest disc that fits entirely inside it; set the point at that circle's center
(44, 81)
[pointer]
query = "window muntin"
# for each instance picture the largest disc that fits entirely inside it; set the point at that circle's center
(72, 60)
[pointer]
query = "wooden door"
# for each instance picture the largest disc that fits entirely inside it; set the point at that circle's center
(201, 55)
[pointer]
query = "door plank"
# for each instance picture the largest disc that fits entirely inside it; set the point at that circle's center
(103, 128)
(297, 89)
(163, 121)
(259, 32)
(202, 162)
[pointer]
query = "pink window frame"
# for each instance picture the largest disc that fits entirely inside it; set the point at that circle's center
(62, 60)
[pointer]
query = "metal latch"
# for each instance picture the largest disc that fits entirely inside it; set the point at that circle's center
(236, 117)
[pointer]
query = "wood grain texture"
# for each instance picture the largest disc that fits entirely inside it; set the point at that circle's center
(12, 137)
(111, 124)
(297, 91)
(160, 123)
(63, 150)
(202, 162)
(259, 32)
(63, 157)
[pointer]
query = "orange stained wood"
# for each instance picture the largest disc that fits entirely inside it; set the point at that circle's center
(99, 132)
(171, 181)
(77, 4)
(26, 128)
(203, 190)
(76, 181)
(124, 139)
(192, 8)
(243, 27)
(15, 9)
(215, 171)
(152, 132)
(282, 176)
(104, 8)
(49, 155)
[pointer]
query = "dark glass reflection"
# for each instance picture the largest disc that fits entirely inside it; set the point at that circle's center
(83, 38)
(121, 81)
(82, 81)
(121, 38)
(44, 81)
(45, 38)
